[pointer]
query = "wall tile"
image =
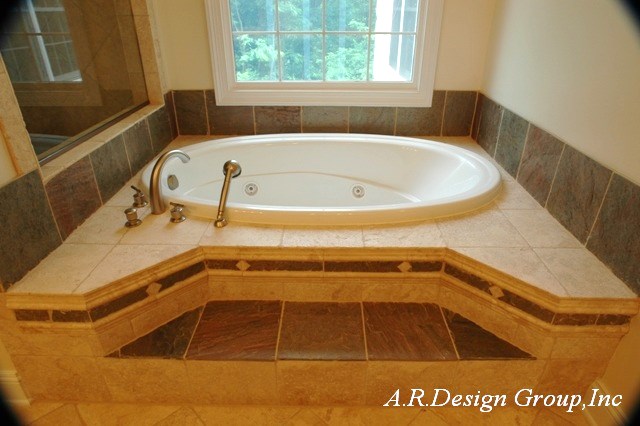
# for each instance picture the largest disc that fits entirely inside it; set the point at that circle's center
(191, 113)
(458, 113)
(539, 163)
(111, 167)
(379, 120)
(577, 192)
(614, 238)
(280, 119)
(325, 119)
(489, 125)
(73, 195)
(513, 131)
(476, 116)
(32, 233)
(228, 120)
(168, 102)
(422, 121)
(159, 129)
(138, 144)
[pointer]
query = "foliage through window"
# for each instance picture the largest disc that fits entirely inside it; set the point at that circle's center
(324, 44)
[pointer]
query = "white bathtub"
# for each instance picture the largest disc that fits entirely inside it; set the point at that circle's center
(330, 179)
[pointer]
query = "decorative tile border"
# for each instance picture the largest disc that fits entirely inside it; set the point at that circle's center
(454, 270)
(598, 206)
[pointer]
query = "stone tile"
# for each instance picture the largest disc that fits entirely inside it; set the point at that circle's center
(539, 163)
(183, 416)
(33, 233)
(366, 415)
(191, 114)
(159, 129)
(489, 125)
(458, 113)
(67, 415)
(482, 228)
(521, 263)
(106, 226)
(321, 331)
(468, 278)
(245, 330)
(474, 342)
(167, 341)
(476, 116)
(138, 144)
(73, 195)
(513, 197)
(527, 306)
(389, 266)
(575, 319)
(124, 260)
(228, 120)
(64, 269)
(568, 376)
(614, 238)
(322, 237)
(406, 331)
(421, 121)
(511, 138)
(172, 279)
(30, 413)
(117, 304)
(280, 119)
(540, 229)
(424, 234)
(578, 191)
(581, 274)
(325, 119)
(249, 415)
(168, 102)
(239, 234)
(111, 167)
(498, 377)
(321, 382)
(70, 316)
(379, 120)
(32, 315)
(321, 290)
(284, 265)
(123, 414)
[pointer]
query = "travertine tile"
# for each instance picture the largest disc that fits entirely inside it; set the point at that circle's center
(522, 263)
(29, 413)
(400, 290)
(249, 415)
(238, 234)
(540, 229)
(581, 274)
(321, 290)
(244, 288)
(423, 234)
(124, 260)
(106, 226)
(183, 416)
(366, 415)
(498, 377)
(156, 229)
(481, 228)
(321, 382)
(450, 415)
(122, 414)
(67, 415)
(567, 376)
(514, 197)
(64, 269)
(322, 237)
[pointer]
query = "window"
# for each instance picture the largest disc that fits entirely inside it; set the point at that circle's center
(324, 52)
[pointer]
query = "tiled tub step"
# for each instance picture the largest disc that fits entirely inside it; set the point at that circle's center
(267, 330)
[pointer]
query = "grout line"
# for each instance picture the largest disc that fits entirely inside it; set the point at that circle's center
(279, 331)
(495, 150)
(555, 173)
(524, 147)
(206, 111)
(453, 342)
(595, 220)
(301, 118)
(253, 117)
(395, 121)
(444, 108)
(364, 332)
(53, 215)
(473, 116)
(95, 180)
(348, 119)
(193, 333)
(175, 112)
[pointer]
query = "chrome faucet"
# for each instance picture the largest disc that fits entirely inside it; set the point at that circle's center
(230, 169)
(157, 204)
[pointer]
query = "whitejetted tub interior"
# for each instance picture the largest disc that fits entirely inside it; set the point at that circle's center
(329, 179)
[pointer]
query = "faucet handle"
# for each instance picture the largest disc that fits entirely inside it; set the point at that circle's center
(177, 214)
(139, 199)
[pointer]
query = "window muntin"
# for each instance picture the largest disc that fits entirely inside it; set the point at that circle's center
(319, 52)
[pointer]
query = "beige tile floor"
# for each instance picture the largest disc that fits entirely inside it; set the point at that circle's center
(513, 234)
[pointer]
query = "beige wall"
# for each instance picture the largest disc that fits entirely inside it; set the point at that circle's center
(182, 28)
(571, 67)
(7, 171)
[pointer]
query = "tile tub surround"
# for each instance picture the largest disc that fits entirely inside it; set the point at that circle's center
(588, 199)
(450, 114)
(76, 184)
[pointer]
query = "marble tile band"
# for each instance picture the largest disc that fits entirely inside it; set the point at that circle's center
(452, 270)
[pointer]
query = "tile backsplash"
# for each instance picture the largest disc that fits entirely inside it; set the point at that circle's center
(599, 207)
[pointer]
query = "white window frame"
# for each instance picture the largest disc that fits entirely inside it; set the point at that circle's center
(417, 93)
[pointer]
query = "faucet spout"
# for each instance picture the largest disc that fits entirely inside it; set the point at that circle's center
(157, 203)
(230, 169)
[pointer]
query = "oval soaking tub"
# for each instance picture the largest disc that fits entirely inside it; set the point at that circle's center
(330, 179)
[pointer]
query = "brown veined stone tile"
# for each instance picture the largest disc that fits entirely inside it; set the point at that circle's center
(117, 304)
(222, 264)
(284, 265)
(469, 278)
(527, 306)
(474, 342)
(406, 331)
(181, 275)
(70, 316)
(362, 266)
(32, 315)
(613, 319)
(321, 331)
(575, 319)
(167, 341)
(237, 329)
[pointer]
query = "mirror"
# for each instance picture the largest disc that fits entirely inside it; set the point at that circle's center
(74, 66)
